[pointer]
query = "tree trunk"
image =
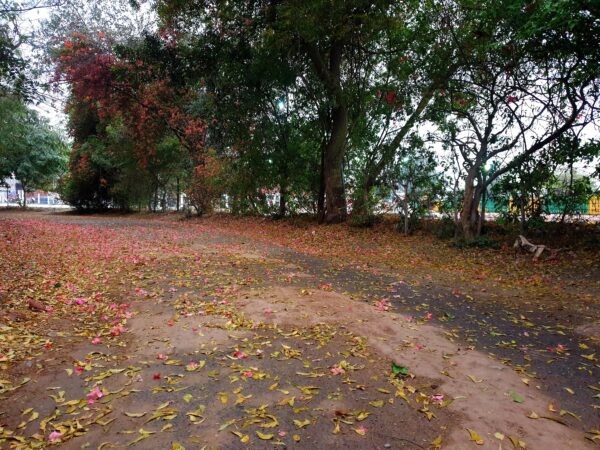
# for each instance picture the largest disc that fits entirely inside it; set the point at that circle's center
(335, 199)
(282, 202)
(469, 216)
(481, 220)
(178, 194)
(405, 207)
(24, 204)
(328, 70)
(155, 200)
(522, 211)
(321, 199)
(163, 199)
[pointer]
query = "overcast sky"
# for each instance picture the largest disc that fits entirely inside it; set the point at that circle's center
(53, 111)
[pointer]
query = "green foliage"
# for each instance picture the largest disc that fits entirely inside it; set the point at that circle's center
(418, 185)
(520, 193)
(15, 79)
(29, 148)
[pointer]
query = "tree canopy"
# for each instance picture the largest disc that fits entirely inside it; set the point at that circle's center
(317, 107)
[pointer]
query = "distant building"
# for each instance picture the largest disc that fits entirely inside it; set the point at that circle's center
(11, 191)
(11, 194)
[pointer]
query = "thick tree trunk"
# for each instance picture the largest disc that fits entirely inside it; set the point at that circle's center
(282, 202)
(335, 199)
(24, 203)
(328, 68)
(469, 216)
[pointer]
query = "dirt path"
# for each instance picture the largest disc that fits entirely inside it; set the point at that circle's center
(224, 342)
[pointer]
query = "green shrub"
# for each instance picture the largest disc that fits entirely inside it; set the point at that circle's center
(445, 228)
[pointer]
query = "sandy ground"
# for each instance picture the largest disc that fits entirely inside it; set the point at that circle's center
(243, 345)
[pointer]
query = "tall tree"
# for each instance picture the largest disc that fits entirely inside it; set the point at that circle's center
(335, 49)
(517, 93)
(30, 149)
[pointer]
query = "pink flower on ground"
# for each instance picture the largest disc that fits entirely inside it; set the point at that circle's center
(117, 330)
(337, 370)
(437, 398)
(382, 305)
(192, 366)
(247, 374)
(239, 355)
(78, 370)
(94, 395)
(162, 357)
(428, 316)
(55, 436)
(96, 340)
(282, 434)
(558, 349)
(80, 301)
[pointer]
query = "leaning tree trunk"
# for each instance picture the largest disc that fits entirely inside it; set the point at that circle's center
(335, 199)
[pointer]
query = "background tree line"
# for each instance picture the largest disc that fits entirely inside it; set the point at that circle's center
(341, 108)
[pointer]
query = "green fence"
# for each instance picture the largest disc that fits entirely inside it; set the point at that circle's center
(592, 207)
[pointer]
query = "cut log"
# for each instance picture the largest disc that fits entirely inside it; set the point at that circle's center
(523, 244)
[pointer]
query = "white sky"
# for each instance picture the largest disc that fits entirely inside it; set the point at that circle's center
(53, 111)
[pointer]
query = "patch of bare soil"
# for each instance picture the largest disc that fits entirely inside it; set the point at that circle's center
(488, 396)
